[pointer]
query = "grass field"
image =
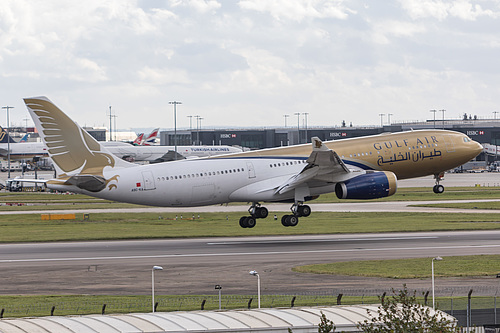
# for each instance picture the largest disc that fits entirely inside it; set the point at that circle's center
(109, 226)
(24, 306)
(482, 265)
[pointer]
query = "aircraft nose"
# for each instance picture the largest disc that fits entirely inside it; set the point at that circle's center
(477, 149)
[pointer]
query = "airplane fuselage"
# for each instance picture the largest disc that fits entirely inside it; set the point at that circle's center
(28, 150)
(254, 176)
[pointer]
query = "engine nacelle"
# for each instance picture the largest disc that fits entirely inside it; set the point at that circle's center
(368, 186)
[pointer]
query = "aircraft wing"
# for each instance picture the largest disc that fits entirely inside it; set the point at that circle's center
(322, 165)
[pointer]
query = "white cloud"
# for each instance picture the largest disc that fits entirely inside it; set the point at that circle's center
(253, 59)
(298, 10)
(201, 6)
(441, 9)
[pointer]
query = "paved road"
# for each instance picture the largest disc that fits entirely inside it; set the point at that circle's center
(194, 266)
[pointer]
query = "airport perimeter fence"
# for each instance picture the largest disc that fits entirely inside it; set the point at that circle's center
(475, 310)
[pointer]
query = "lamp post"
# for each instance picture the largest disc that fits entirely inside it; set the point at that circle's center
(298, 124)
(197, 129)
(285, 116)
(495, 115)
(155, 268)
(443, 111)
(175, 124)
(254, 273)
(110, 124)
(305, 124)
(8, 137)
(434, 111)
(432, 275)
(381, 119)
(219, 288)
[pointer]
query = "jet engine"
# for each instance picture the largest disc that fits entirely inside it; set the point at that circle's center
(371, 185)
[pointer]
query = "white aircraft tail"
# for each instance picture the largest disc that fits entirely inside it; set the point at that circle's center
(77, 156)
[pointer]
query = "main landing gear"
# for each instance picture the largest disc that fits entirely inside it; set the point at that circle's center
(298, 210)
(438, 188)
(258, 212)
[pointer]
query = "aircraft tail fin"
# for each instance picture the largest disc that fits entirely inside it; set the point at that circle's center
(24, 138)
(72, 149)
(151, 138)
(5, 137)
(138, 140)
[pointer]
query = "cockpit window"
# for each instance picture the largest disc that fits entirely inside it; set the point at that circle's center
(467, 139)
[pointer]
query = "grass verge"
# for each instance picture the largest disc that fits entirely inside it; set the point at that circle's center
(35, 306)
(480, 265)
(116, 226)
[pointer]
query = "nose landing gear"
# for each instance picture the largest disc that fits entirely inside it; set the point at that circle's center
(438, 188)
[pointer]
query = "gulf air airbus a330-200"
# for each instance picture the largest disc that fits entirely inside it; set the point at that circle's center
(358, 168)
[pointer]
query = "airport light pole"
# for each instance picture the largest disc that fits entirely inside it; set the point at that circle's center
(305, 118)
(381, 119)
(495, 115)
(155, 268)
(434, 111)
(219, 288)
(254, 273)
(197, 130)
(432, 275)
(285, 116)
(8, 137)
(443, 111)
(298, 125)
(175, 124)
(389, 118)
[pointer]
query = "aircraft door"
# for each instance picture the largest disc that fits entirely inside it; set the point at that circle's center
(251, 170)
(149, 181)
(448, 142)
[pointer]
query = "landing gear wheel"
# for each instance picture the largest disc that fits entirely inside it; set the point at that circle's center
(438, 189)
(247, 222)
(304, 210)
(292, 220)
(261, 213)
(250, 222)
(284, 220)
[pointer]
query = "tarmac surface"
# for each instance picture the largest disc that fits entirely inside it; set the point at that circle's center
(195, 266)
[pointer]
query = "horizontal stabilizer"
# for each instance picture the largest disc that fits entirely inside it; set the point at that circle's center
(90, 183)
(169, 156)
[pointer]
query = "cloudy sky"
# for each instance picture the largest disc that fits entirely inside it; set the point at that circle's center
(247, 63)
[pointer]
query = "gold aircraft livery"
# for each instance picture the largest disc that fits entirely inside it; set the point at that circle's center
(358, 168)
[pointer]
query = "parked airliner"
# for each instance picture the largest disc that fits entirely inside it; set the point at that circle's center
(358, 168)
(143, 152)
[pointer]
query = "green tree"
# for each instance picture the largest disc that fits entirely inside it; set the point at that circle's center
(401, 313)
(325, 325)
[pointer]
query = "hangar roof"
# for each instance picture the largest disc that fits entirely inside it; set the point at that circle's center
(303, 319)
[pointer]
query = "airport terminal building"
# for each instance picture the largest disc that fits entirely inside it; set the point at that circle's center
(481, 130)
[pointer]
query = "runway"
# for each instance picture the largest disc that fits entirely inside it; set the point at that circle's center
(195, 266)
